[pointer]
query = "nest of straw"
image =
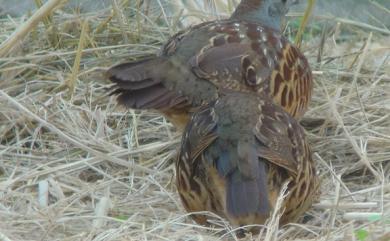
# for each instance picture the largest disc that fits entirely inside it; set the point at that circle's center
(74, 166)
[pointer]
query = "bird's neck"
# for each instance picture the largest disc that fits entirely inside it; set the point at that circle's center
(256, 11)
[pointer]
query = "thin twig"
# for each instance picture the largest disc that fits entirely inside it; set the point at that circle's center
(22, 31)
(70, 139)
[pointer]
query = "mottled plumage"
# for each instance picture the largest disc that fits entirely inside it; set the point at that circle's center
(246, 52)
(234, 161)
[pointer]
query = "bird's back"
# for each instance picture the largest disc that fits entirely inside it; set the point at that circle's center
(237, 153)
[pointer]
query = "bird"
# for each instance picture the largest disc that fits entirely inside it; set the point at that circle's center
(246, 52)
(236, 154)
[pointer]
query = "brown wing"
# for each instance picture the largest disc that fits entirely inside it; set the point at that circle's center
(172, 45)
(236, 154)
(199, 133)
(211, 152)
(282, 140)
(248, 57)
(191, 168)
(291, 81)
(138, 86)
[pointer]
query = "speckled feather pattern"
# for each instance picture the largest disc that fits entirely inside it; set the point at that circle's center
(248, 57)
(229, 54)
(261, 128)
(244, 84)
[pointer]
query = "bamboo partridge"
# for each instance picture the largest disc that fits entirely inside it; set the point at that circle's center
(236, 154)
(246, 52)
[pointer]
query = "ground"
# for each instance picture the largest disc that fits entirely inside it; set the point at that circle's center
(74, 166)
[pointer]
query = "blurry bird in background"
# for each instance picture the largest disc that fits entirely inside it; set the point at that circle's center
(246, 52)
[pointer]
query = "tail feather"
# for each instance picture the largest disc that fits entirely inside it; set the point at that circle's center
(138, 85)
(246, 196)
(247, 190)
(133, 71)
(142, 99)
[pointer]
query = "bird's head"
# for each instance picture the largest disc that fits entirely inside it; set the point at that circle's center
(278, 8)
(266, 12)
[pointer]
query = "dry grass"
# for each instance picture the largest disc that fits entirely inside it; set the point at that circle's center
(74, 166)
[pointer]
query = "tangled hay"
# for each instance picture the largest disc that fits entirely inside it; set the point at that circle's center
(74, 166)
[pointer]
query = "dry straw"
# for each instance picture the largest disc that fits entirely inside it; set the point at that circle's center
(74, 166)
